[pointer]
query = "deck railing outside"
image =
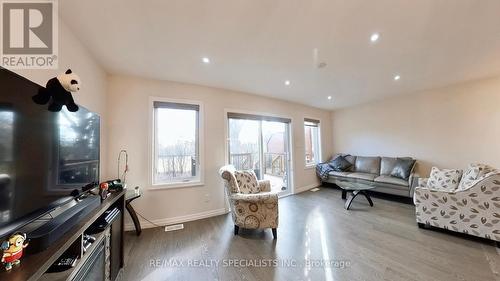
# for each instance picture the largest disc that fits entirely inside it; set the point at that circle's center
(274, 163)
(243, 161)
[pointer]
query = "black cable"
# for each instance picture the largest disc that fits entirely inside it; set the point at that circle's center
(140, 215)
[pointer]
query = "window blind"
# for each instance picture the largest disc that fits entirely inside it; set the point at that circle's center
(257, 117)
(311, 122)
(175, 105)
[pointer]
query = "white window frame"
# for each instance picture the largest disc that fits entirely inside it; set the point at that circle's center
(200, 181)
(319, 152)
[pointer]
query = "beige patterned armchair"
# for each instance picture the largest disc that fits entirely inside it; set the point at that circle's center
(473, 208)
(251, 208)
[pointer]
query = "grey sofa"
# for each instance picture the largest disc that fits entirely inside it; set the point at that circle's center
(375, 171)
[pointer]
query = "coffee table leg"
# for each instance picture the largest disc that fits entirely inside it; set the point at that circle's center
(367, 197)
(344, 193)
(354, 194)
(349, 200)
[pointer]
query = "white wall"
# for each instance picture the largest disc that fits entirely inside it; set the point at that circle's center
(448, 127)
(92, 95)
(128, 129)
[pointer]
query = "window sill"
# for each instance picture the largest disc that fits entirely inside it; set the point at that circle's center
(162, 186)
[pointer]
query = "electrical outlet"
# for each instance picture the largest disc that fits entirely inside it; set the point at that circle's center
(207, 198)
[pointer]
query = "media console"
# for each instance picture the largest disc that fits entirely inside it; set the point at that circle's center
(108, 244)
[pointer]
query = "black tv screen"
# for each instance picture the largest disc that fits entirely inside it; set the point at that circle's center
(43, 155)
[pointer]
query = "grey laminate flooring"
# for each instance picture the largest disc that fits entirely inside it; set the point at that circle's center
(378, 243)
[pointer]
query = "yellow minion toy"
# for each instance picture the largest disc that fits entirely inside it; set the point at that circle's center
(13, 250)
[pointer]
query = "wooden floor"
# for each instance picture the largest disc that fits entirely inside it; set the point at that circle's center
(378, 243)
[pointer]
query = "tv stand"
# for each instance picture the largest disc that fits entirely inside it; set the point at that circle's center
(34, 266)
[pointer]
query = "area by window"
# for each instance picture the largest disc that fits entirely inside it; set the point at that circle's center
(312, 142)
(176, 143)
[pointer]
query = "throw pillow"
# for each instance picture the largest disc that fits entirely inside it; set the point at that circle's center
(474, 174)
(485, 170)
(444, 179)
(402, 168)
(470, 176)
(340, 164)
(247, 181)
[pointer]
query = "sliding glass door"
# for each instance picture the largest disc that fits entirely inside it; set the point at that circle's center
(275, 149)
(261, 144)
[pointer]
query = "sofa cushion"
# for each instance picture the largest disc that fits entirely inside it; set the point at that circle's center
(391, 180)
(340, 164)
(339, 174)
(402, 168)
(370, 165)
(444, 179)
(363, 176)
(387, 165)
(247, 181)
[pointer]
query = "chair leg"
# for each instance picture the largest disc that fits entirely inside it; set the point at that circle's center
(236, 229)
(275, 233)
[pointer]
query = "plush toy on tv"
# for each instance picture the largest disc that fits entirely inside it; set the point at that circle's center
(58, 92)
(13, 250)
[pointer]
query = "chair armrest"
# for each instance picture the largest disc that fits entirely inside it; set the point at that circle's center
(256, 197)
(265, 185)
(417, 183)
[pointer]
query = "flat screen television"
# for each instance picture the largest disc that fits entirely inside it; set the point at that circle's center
(43, 155)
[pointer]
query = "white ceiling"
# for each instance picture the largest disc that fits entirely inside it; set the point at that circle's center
(255, 45)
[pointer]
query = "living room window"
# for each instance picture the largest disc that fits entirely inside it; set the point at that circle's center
(312, 142)
(176, 149)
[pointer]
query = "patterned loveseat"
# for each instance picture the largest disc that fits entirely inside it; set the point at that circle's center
(473, 208)
(251, 207)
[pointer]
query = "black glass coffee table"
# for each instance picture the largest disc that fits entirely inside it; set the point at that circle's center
(354, 189)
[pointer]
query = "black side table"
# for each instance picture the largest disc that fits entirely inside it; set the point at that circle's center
(130, 196)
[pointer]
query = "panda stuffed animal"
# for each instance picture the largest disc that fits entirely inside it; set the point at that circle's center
(58, 92)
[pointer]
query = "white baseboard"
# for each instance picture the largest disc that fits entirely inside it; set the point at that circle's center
(179, 219)
(306, 188)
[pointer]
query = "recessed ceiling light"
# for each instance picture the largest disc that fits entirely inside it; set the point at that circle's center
(374, 38)
(329, 97)
(287, 82)
(205, 60)
(397, 77)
